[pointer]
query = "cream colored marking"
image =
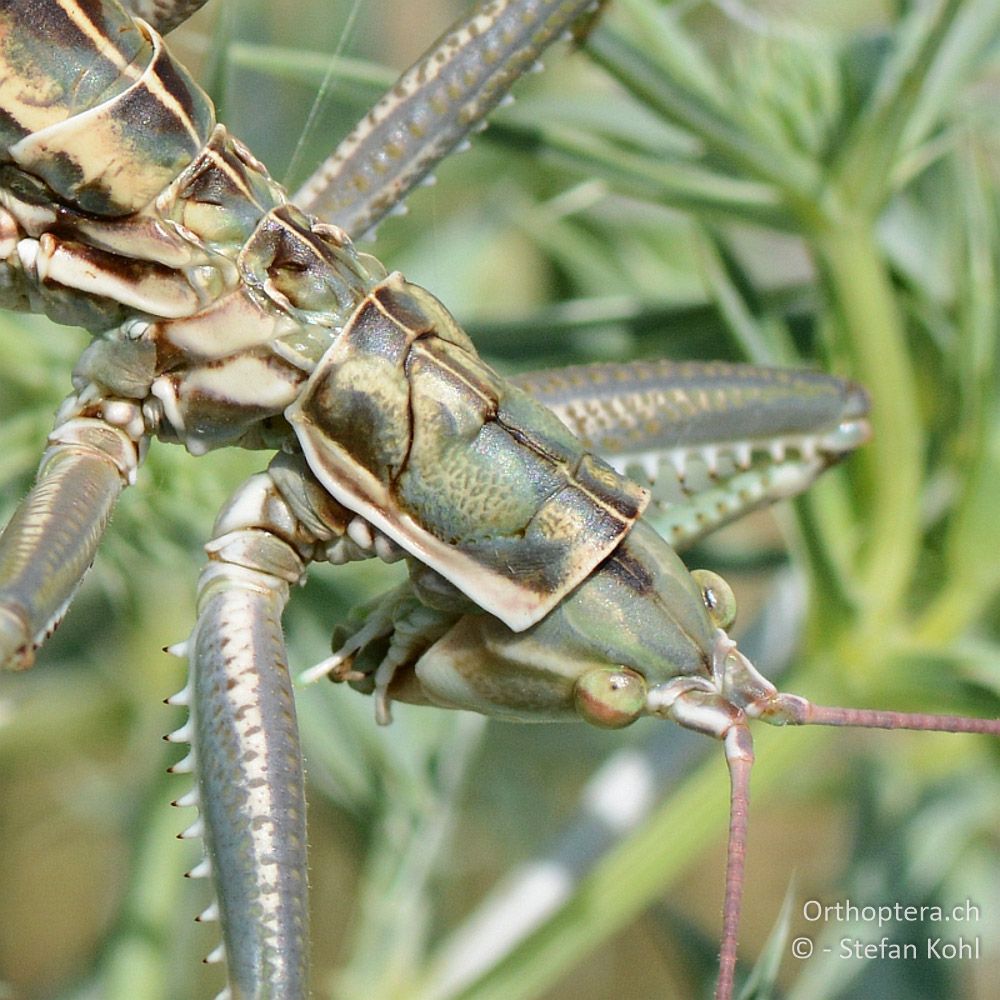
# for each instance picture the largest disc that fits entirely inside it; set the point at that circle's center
(237, 178)
(662, 698)
(360, 533)
(33, 219)
(386, 549)
(124, 414)
(100, 41)
(243, 381)
(278, 297)
(155, 86)
(27, 254)
(253, 504)
(158, 294)
(232, 323)
(165, 391)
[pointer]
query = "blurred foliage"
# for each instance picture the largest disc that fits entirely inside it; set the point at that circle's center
(784, 181)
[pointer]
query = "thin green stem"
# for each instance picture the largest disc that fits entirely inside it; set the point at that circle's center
(935, 56)
(869, 328)
(674, 182)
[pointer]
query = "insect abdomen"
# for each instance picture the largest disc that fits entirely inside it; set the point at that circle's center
(75, 79)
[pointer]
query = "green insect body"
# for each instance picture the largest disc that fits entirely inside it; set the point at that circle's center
(224, 315)
(404, 424)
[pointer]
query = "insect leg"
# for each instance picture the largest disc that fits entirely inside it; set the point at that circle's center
(242, 727)
(713, 440)
(739, 757)
(245, 745)
(710, 713)
(432, 107)
(51, 540)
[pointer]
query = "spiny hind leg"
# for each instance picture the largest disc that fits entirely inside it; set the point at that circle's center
(432, 108)
(243, 732)
(712, 440)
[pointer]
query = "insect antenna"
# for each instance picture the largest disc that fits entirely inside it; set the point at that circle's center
(794, 710)
(780, 708)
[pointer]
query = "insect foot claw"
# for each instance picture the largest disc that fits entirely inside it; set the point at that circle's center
(338, 667)
(385, 636)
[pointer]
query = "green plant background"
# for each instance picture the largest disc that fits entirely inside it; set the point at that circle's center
(787, 181)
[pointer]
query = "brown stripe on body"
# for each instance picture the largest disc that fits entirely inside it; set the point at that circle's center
(140, 122)
(96, 22)
(604, 487)
(631, 571)
(58, 59)
(479, 382)
(174, 93)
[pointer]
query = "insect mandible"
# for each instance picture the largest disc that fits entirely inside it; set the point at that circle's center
(562, 593)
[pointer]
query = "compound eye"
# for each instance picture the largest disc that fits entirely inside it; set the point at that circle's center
(610, 697)
(718, 597)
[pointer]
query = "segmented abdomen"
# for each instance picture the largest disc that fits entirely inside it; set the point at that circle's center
(94, 106)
